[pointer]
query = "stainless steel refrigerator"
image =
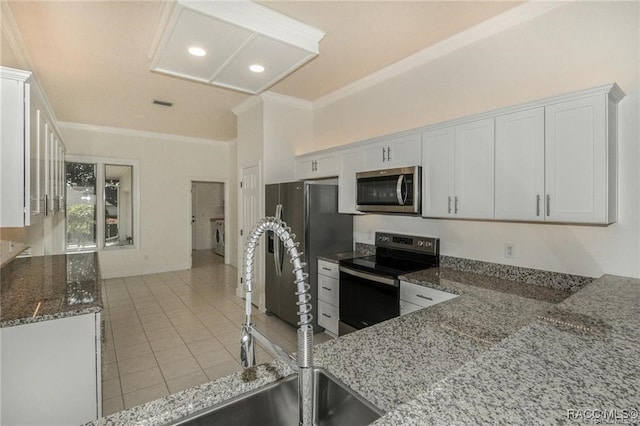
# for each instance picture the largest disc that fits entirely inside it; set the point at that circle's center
(311, 210)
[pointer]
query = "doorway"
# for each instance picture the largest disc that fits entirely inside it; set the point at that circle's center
(207, 216)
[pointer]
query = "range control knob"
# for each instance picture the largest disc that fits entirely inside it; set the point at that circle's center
(420, 243)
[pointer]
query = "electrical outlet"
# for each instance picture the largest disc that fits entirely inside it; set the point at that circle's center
(509, 251)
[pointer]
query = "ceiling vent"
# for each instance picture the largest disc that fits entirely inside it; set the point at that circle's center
(238, 45)
(162, 103)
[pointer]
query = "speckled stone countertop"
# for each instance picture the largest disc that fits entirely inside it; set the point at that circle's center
(577, 363)
(395, 363)
(337, 257)
(42, 288)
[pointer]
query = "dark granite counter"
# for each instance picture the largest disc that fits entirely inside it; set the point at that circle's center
(49, 287)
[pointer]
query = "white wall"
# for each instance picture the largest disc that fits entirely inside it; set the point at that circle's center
(287, 125)
(167, 166)
(577, 46)
(231, 205)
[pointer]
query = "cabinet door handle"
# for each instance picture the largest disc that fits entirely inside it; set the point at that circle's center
(548, 205)
(384, 155)
(389, 153)
(326, 288)
(449, 205)
(326, 269)
(455, 204)
(538, 205)
(424, 297)
(325, 315)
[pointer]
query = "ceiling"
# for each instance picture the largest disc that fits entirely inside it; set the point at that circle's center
(92, 57)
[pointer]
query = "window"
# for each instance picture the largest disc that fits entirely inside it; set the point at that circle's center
(118, 205)
(81, 205)
(100, 204)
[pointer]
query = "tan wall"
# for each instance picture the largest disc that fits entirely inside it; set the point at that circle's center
(577, 46)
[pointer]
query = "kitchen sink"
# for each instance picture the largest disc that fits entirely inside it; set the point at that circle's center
(277, 404)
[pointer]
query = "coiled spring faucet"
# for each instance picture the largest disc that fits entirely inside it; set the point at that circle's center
(304, 362)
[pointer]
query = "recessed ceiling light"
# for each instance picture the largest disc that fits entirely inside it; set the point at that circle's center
(256, 68)
(197, 51)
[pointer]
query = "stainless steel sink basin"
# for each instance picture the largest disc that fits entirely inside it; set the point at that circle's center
(277, 404)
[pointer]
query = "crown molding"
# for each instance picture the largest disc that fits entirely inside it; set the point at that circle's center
(140, 133)
(287, 100)
(246, 105)
(13, 36)
(488, 28)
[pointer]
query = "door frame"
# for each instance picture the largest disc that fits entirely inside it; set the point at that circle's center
(259, 301)
(190, 212)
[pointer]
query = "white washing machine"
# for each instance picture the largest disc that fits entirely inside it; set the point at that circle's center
(218, 243)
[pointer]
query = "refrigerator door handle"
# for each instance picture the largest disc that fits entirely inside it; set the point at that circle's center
(276, 245)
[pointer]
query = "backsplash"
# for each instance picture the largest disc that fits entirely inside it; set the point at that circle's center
(366, 249)
(556, 280)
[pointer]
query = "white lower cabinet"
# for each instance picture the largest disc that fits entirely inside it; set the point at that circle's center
(328, 296)
(328, 317)
(414, 297)
(51, 372)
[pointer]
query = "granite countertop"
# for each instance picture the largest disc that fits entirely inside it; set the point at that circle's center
(42, 288)
(500, 352)
(337, 257)
(578, 362)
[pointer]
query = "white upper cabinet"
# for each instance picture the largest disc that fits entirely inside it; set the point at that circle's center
(520, 165)
(15, 149)
(474, 174)
(316, 165)
(438, 165)
(580, 161)
(458, 171)
(393, 152)
(557, 163)
(31, 153)
(351, 162)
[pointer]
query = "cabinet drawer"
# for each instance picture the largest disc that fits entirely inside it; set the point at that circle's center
(407, 308)
(328, 289)
(328, 316)
(422, 296)
(329, 269)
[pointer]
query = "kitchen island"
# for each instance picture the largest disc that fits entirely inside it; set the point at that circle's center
(500, 352)
(50, 334)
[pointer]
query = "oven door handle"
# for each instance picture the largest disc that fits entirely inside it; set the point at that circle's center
(370, 277)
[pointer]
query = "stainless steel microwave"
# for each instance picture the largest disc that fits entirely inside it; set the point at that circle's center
(389, 190)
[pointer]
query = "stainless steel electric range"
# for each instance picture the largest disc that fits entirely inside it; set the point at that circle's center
(369, 286)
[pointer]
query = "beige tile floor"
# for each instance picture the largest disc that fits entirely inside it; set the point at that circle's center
(170, 331)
